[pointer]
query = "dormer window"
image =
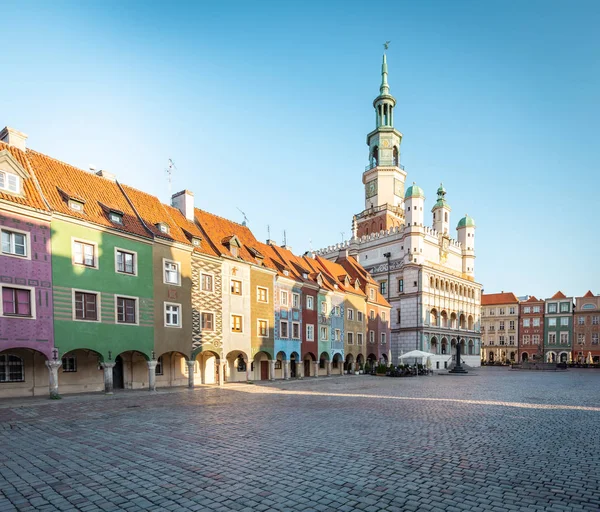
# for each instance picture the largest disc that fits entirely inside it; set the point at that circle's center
(10, 182)
(304, 275)
(75, 205)
(286, 272)
(115, 218)
(196, 242)
(234, 251)
(162, 227)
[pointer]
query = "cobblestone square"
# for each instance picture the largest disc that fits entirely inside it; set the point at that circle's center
(496, 440)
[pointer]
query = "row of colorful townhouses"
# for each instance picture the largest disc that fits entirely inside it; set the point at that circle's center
(104, 286)
(558, 329)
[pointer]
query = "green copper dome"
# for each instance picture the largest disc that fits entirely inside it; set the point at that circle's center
(414, 191)
(466, 222)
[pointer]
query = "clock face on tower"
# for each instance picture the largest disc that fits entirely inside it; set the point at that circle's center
(371, 188)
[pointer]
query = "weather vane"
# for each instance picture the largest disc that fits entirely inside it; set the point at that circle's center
(386, 45)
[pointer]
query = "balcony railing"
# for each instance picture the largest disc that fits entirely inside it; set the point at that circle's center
(374, 164)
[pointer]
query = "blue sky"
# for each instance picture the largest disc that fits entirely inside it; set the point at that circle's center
(264, 106)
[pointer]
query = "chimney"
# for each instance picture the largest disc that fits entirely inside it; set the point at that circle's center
(270, 242)
(106, 175)
(184, 202)
(14, 138)
(287, 247)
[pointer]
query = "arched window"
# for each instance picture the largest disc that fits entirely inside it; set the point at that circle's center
(375, 156)
(395, 156)
(12, 368)
(445, 214)
(434, 317)
(471, 346)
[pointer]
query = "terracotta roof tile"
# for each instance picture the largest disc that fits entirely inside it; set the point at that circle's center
(489, 299)
(558, 295)
(31, 193)
(191, 229)
(589, 294)
(98, 193)
(533, 299)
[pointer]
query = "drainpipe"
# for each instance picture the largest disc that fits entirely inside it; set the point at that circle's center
(388, 256)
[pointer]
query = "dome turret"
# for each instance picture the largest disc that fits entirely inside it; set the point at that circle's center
(414, 191)
(466, 222)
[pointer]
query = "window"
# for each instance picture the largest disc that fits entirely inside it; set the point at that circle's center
(207, 321)
(323, 331)
(383, 316)
(84, 254)
(526, 322)
(492, 311)
(206, 282)
(536, 322)
(581, 338)
(337, 311)
(236, 323)
(501, 311)
(501, 340)
(310, 332)
(116, 218)
(86, 306)
(14, 243)
(511, 325)
(595, 338)
(125, 262)
(371, 336)
(350, 337)
(263, 328)
(236, 287)
(171, 270)
(552, 322)
(535, 339)
(551, 338)
(383, 338)
(295, 330)
(536, 309)
(372, 314)
(526, 339)
(277, 364)
(501, 328)
(581, 320)
(400, 285)
(359, 316)
(69, 364)
(552, 307)
(564, 320)
(511, 310)
(75, 205)
(172, 315)
(283, 329)
(350, 314)
(9, 182)
(564, 338)
(295, 300)
(16, 302)
(511, 339)
(284, 298)
(262, 294)
(383, 287)
(323, 308)
(126, 310)
(12, 368)
(564, 307)
(359, 338)
(595, 320)
(310, 302)
(158, 370)
(241, 364)
(527, 309)
(371, 293)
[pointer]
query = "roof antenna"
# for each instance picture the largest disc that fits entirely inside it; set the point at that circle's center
(284, 239)
(310, 244)
(245, 221)
(169, 170)
(268, 232)
(342, 233)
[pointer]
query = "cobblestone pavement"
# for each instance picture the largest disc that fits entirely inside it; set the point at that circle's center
(498, 440)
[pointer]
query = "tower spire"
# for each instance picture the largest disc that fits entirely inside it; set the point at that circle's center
(384, 90)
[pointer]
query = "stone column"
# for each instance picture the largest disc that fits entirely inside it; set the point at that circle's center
(108, 377)
(271, 369)
(152, 375)
(191, 367)
(221, 372)
(286, 369)
(351, 368)
(300, 369)
(248, 371)
(53, 367)
(328, 368)
(341, 363)
(316, 368)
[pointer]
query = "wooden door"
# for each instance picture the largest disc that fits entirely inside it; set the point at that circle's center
(307, 363)
(264, 370)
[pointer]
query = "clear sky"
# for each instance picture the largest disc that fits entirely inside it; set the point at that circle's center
(264, 106)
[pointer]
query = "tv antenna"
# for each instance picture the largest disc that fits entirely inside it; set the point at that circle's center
(342, 233)
(284, 239)
(169, 170)
(268, 232)
(245, 221)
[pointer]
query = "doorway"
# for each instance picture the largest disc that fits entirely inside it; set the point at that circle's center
(264, 370)
(118, 381)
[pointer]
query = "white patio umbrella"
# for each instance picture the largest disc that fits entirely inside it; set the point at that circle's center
(417, 354)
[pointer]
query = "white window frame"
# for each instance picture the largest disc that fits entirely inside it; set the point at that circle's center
(231, 281)
(312, 328)
(32, 301)
(552, 334)
(164, 271)
(566, 334)
(296, 300)
(350, 313)
(135, 262)
(337, 335)
(287, 323)
(283, 298)
(98, 305)
(258, 321)
(137, 309)
(203, 329)
(526, 322)
(179, 316)
(96, 265)
(371, 294)
(360, 316)
(6, 182)
(323, 308)
(359, 338)
(241, 331)
(371, 336)
(350, 338)
(323, 329)
(372, 315)
(536, 322)
(310, 302)
(383, 338)
(337, 310)
(564, 321)
(212, 276)
(27, 235)
(292, 333)
(266, 294)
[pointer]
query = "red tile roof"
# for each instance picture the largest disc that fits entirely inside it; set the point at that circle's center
(32, 196)
(558, 295)
(191, 229)
(589, 294)
(490, 299)
(57, 178)
(533, 299)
